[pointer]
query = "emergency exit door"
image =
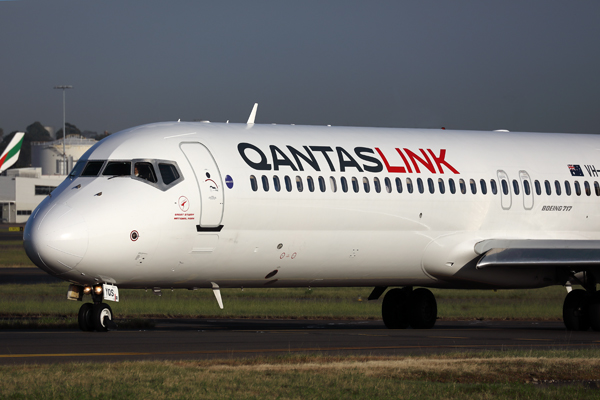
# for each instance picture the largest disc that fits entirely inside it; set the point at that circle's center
(505, 194)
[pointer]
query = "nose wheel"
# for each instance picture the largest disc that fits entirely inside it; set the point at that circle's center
(95, 317)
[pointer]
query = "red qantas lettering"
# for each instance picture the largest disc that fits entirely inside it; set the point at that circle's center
(441, 160)
(391, 169)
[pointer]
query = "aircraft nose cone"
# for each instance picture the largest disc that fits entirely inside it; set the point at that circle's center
(56, 239)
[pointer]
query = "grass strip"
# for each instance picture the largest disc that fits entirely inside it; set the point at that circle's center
(559, 375)
(49, 300)
(12, 255)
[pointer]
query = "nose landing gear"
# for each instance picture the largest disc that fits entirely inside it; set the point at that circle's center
(96, 316)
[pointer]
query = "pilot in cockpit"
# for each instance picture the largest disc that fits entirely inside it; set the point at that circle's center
(144, 171)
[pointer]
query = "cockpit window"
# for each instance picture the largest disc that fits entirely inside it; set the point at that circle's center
(92, 168)
(144, 170)
(162, 174)
(117, 168)
(77, 169)
(168, 172)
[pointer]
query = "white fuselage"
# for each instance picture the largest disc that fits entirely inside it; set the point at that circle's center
(200, 230)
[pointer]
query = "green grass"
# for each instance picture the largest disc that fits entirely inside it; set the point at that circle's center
(50, 300)
(473, 376)
(12, 255)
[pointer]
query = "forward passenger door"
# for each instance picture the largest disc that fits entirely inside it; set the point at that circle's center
(209, 183)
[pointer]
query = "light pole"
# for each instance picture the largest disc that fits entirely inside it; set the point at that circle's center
(64, 87)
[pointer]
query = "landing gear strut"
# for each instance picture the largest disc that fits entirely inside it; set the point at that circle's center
(405, 307)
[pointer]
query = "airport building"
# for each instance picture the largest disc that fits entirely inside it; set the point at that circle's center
(22, 189)
(49, 155)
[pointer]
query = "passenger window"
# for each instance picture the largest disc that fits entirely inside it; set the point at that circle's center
(494, 186)
(333, 184)
(568, 188)
(483, 186)
(557, 187)
(366, 185)
(377, 185)
(452, 185)
(168, 172)
(355, 184)
(299, 184)
(516, 186)
(431, 185)
(526, 187)
(441, 186)
(399, 185)
(322, 184)
(344, 184)
(253, 183)
(117, 168)
(409, 185)
(588, 191)
(577, 189)
(420, 185)
(310, 183)
(538, 187)
(276, 183)
(265, 183)
(473, 186)
(144, 170)
(463, 186)
(597, 188)
(388, 185)
(504, 187)
(288, 183)
(92, 168)
(548, 188)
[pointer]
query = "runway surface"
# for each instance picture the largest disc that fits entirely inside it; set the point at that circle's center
(191, 339)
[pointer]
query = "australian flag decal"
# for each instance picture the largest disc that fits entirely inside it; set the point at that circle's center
(575, 170)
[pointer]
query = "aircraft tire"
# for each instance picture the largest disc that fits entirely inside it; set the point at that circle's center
(576, 315)
(394, 308)
(101, 311)
(594, 311)
(423, 309)
(84, 317)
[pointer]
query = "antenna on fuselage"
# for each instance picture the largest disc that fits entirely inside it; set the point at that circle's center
(252, 115)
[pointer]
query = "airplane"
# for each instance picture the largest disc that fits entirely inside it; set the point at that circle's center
(192, 205)
(10, 155)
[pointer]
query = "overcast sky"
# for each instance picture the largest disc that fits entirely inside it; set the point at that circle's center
(517, 65)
